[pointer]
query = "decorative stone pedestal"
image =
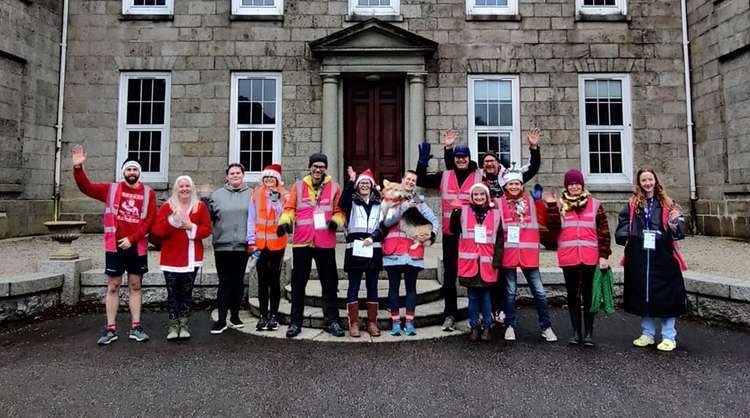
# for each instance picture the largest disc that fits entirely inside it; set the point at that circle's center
(64, 232)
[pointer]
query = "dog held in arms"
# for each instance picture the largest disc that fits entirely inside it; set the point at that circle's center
(412, 222)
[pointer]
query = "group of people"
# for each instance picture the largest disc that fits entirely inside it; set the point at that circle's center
(490, 228)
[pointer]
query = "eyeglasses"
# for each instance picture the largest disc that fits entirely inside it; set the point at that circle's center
(318, 167)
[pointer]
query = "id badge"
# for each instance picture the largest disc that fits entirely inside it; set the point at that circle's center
(649, 240)
(514, 235)
(480, 234)
(319, 219)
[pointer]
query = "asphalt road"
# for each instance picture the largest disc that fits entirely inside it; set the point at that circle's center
(55, 368)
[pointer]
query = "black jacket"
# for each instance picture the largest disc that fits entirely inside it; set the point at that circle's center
(349, 199)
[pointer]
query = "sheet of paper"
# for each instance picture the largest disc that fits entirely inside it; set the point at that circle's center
(514, 234)
(480, 234)
(319, 218)
(360, 250)
(649, 240)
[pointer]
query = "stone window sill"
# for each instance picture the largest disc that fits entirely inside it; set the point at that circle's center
(158, 186)
(614, 17)
(493, 18)
(11, 188)
(155, 18)
(384, 18)
(610, 187)
(256, 18)
(737, 189)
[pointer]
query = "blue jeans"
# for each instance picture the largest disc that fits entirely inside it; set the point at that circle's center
(537, 290)
(371, 281)
(479, 299)
(668, 331)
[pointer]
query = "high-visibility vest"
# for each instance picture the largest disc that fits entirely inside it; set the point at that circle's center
(472, 256)
(111, 206)
(266, 222)
(304, 226)
(525, 253)
(578, 241)
(451, 191)
(396, 242)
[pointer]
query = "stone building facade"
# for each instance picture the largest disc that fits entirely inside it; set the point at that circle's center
(188, 86)
(30, 34)
(720, 72)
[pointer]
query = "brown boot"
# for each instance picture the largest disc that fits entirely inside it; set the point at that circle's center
(372, 319)
(353, 308)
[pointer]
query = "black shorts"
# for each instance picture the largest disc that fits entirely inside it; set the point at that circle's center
(125, 260)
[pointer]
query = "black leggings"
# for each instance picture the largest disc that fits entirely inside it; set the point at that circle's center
(269, 272)
(578, 281)
(230, 267)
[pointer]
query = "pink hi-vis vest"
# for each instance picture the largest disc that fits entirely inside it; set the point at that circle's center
(304, 225)
(450, 191)
(578, 242)
(396, 242)
(525, 253)
(473, 256)
(111, 206)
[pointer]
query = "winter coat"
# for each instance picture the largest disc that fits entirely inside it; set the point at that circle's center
(228, 210)
(653, 280)
(348, 202)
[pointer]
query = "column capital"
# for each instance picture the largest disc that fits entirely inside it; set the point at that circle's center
(330, 77)
(416, 77)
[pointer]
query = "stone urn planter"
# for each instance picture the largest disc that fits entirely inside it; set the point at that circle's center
(64, 232)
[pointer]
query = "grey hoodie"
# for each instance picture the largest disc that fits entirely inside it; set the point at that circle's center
(228, 210)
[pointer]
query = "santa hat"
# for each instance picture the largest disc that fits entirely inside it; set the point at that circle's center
(513, 174)
(273, 170)
(483, 187)
(365, 175)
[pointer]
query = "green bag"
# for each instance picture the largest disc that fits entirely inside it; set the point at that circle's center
(602, 291)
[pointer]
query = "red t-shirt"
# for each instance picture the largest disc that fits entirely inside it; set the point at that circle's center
(128, 217)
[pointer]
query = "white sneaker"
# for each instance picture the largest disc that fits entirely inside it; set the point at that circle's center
(549, 335)
(510, 334)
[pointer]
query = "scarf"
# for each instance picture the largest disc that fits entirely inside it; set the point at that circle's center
(568, 202)
(517, 205)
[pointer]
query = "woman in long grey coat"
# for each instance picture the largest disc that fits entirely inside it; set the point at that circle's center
(654, 287)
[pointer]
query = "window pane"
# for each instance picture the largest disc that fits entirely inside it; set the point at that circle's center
(593, 142)
(267, 140)
(156, 141)
(493, 114)
(605, 166)
(145, 144)
(158, 110)
(243, 113)
(243, 90)
(615, 113)
(603, 114)
(269, 90)
(604, 142)
(594, 163)
(615, 89)
(146, 89)
(269, 113)
(617, 162)
(134, 90)
(244, 141)
(159, 90)
(155, 161)
(504, 90)
(590, 88)
(133, 113)
(145, 113)
(256, 114)
(480, 114)
(256, 90)
(256, 163)
(591, 114)
(267, 159)
(506, 114)
(480, 90)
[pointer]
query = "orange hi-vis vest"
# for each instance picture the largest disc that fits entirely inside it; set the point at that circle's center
(451, 191)
(578, 241)
(304, 225)
(266, 222)
(474, 256)
(524, 253)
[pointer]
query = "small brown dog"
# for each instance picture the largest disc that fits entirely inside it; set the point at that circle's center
(412, 222)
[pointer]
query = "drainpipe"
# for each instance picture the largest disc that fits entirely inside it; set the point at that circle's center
(689, 112)
(60, 99)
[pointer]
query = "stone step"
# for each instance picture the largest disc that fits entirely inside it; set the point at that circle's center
(424, 274)
(427, 291)
(427, 314)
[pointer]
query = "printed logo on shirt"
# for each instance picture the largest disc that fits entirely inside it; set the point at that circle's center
(129, 208)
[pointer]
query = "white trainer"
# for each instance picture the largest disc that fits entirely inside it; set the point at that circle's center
(510, 334)
(549, 335)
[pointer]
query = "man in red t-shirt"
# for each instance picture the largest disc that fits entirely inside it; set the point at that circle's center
(130, 210)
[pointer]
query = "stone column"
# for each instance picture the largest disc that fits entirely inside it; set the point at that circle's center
(330, 131)
(416, 117)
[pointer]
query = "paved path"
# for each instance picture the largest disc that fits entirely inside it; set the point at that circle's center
(54, 367)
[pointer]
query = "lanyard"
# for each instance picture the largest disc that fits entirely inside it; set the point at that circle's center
(648, 211)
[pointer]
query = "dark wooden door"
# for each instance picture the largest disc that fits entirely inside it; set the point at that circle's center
(373, 127)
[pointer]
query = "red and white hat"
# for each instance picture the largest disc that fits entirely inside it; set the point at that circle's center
(273, 170)
(365, 175)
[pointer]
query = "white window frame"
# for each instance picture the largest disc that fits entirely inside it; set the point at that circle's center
(129, 8)
(620, 8)
(276, 10)
(393, 10)
(515, 137)
(123, 128)
(626, 131)
(473, 9)
(234, 127)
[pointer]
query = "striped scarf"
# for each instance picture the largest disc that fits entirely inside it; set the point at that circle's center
(568, 202)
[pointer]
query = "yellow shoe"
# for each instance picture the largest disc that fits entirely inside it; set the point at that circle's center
(666, 345)
(643, 341)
